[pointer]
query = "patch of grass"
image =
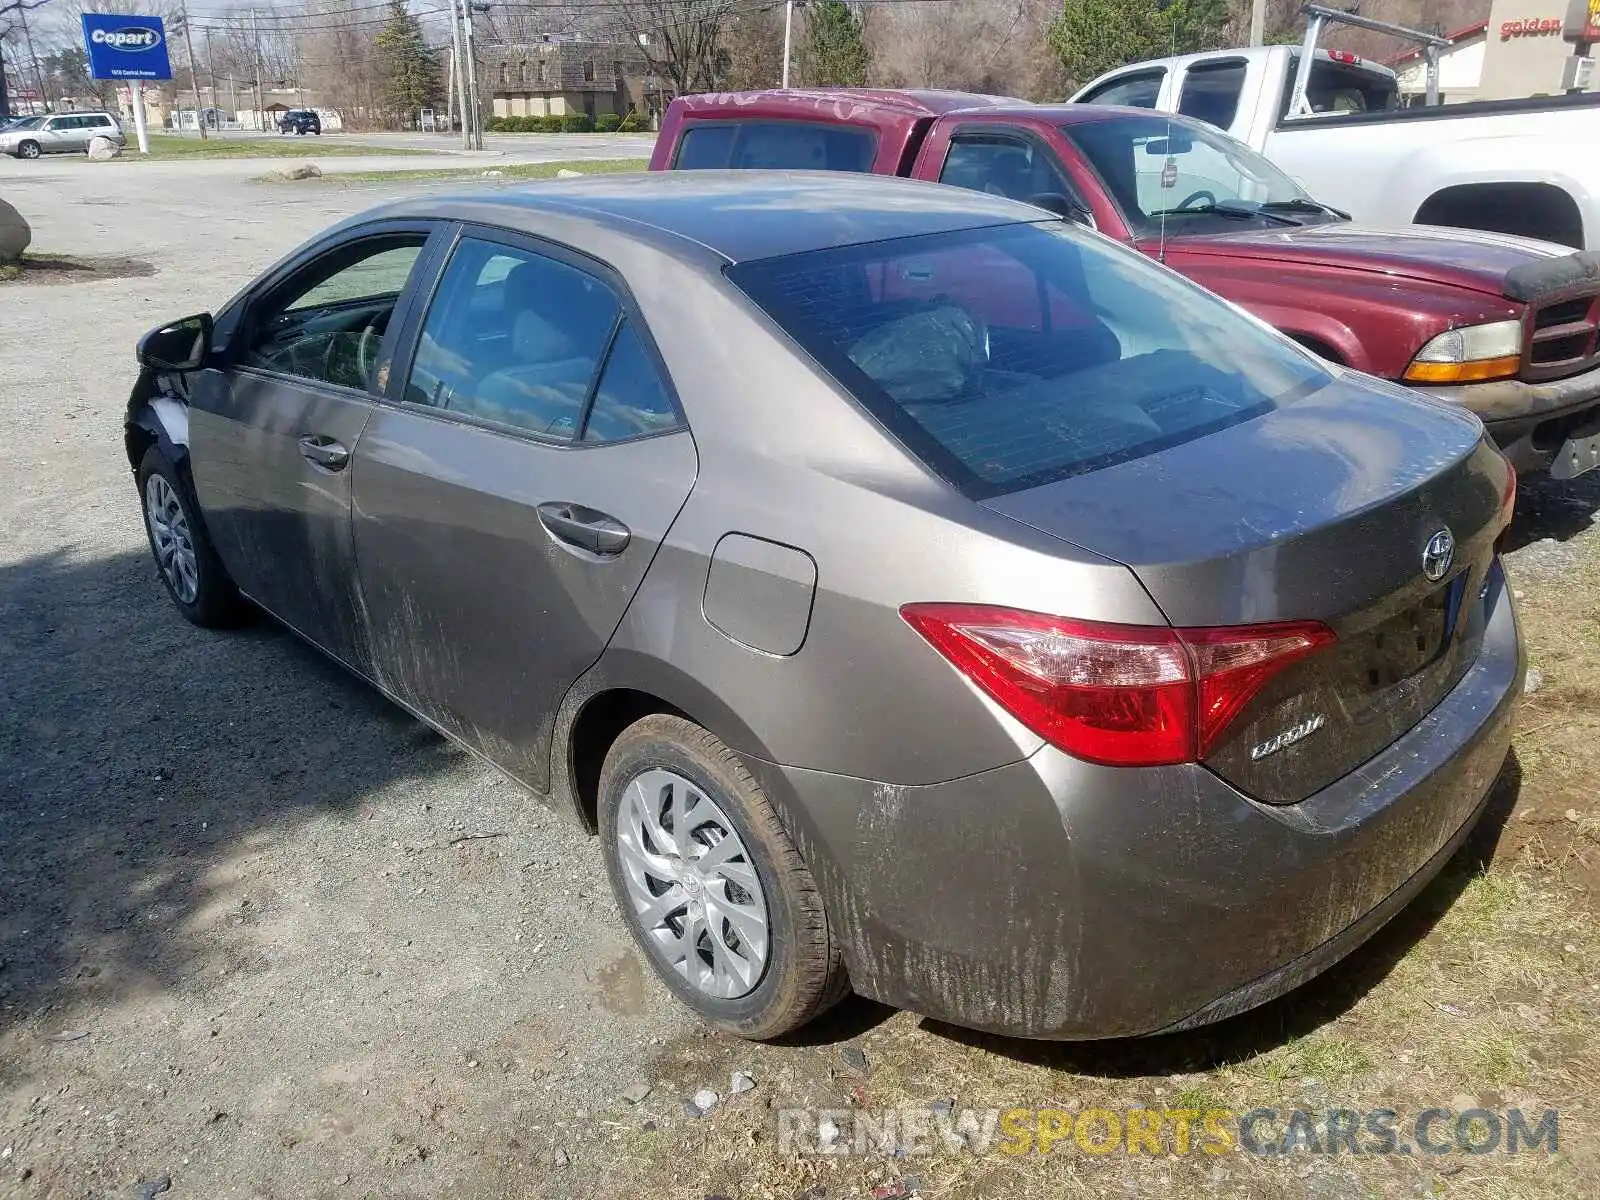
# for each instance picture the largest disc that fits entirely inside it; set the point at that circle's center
(167, 146)
(1501, 1058)
(10, 271)
(510, 171)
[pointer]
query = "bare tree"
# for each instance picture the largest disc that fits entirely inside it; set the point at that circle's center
(995, 46)
(680, 40)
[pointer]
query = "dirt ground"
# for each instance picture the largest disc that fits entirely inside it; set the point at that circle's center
(262, 935)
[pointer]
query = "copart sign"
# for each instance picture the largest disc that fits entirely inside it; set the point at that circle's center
(125, 47)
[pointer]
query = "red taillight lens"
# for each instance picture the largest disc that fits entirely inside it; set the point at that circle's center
(1123, 695)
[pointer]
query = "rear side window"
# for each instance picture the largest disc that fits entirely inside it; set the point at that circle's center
(1211, 91)
(530, 342)
(514, 338)
(1008, 357)
(775, 145)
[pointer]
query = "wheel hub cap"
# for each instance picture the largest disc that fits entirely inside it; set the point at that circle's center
(171, 538)
(692, 885)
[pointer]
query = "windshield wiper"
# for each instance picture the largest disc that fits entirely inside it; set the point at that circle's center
(1236, 210)
(1306, 204)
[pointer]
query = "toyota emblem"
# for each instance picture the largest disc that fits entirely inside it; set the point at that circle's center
(1438, 554)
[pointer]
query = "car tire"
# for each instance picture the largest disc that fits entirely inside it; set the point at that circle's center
(801, 973)
(185, 559)
(28, 150)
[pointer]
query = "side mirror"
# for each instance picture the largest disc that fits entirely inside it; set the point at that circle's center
(181, 346)
(1063, 206)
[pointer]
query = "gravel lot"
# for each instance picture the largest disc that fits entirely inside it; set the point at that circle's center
(236, 871)
(262, 933)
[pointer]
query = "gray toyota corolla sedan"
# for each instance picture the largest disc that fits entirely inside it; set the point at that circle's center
(916, 593)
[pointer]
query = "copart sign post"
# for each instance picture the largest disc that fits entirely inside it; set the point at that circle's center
(128, 48)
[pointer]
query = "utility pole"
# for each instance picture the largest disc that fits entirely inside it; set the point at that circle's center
(472, 76)
(38, 75)
(211, 70)
(459, 61)
(788, 37)
(261, 104)
(188, 45)
(1258, 22)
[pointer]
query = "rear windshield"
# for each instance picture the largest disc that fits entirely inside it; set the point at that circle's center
(1338, 89)
(1015, 355)
(780, 145)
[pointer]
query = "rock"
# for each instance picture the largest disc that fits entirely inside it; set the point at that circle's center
(942, 1107)
(564, 173)
(914, 1183)
(1218, 1174)
(854, 1058)
(1572, 815)
(742, 1081)
(15, 233)
(648, 1127)
(558, 1157)
(636, 1092)
(704, 1100)
(147, 1189)
(1534, 682)
(689, 1110)
(103, 149)
(827, 1132)
(304, 171)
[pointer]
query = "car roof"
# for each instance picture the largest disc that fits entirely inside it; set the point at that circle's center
(916, 102)
(736, 215)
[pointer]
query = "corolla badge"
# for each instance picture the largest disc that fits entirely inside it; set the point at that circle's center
(1288, 737)
(1438, 554)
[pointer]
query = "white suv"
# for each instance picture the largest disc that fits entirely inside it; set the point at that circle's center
(59, 134)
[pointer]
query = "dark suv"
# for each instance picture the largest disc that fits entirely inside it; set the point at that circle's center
(300, 120)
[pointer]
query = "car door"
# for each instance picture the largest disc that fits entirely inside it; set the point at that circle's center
(511, 493)
(272, 430)
(56, 136)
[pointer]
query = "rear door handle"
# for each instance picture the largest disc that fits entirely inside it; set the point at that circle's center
(323, 451)
(584, 528)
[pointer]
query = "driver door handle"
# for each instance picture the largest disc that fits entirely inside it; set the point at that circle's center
(323, 451)
(584, 528)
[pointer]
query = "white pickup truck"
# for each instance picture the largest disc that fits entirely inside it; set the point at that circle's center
(1529, 167)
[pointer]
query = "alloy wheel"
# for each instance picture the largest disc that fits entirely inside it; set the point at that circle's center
(174, 545)
(692, 885)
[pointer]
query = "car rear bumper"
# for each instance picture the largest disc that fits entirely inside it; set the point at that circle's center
(1533, 423)
(1053, 898)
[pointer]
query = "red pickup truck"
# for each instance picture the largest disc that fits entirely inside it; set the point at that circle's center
(1508, 327)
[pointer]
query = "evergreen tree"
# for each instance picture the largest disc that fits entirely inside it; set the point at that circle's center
(410, 71)
(1094, 36)
(833, 54)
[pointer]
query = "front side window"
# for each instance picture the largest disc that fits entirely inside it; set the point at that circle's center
(776, 145)
(1131, 91)
(326, 324)
(1186, 177)
(1211, 91)
(1004, 166)
(1008, 357)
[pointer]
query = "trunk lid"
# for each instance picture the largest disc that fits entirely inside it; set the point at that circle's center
(1465, 258)
(1321, 509)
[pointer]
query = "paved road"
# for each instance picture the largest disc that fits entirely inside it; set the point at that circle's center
(517, 147)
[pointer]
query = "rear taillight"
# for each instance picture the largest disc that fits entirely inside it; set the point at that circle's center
(1123, 695)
